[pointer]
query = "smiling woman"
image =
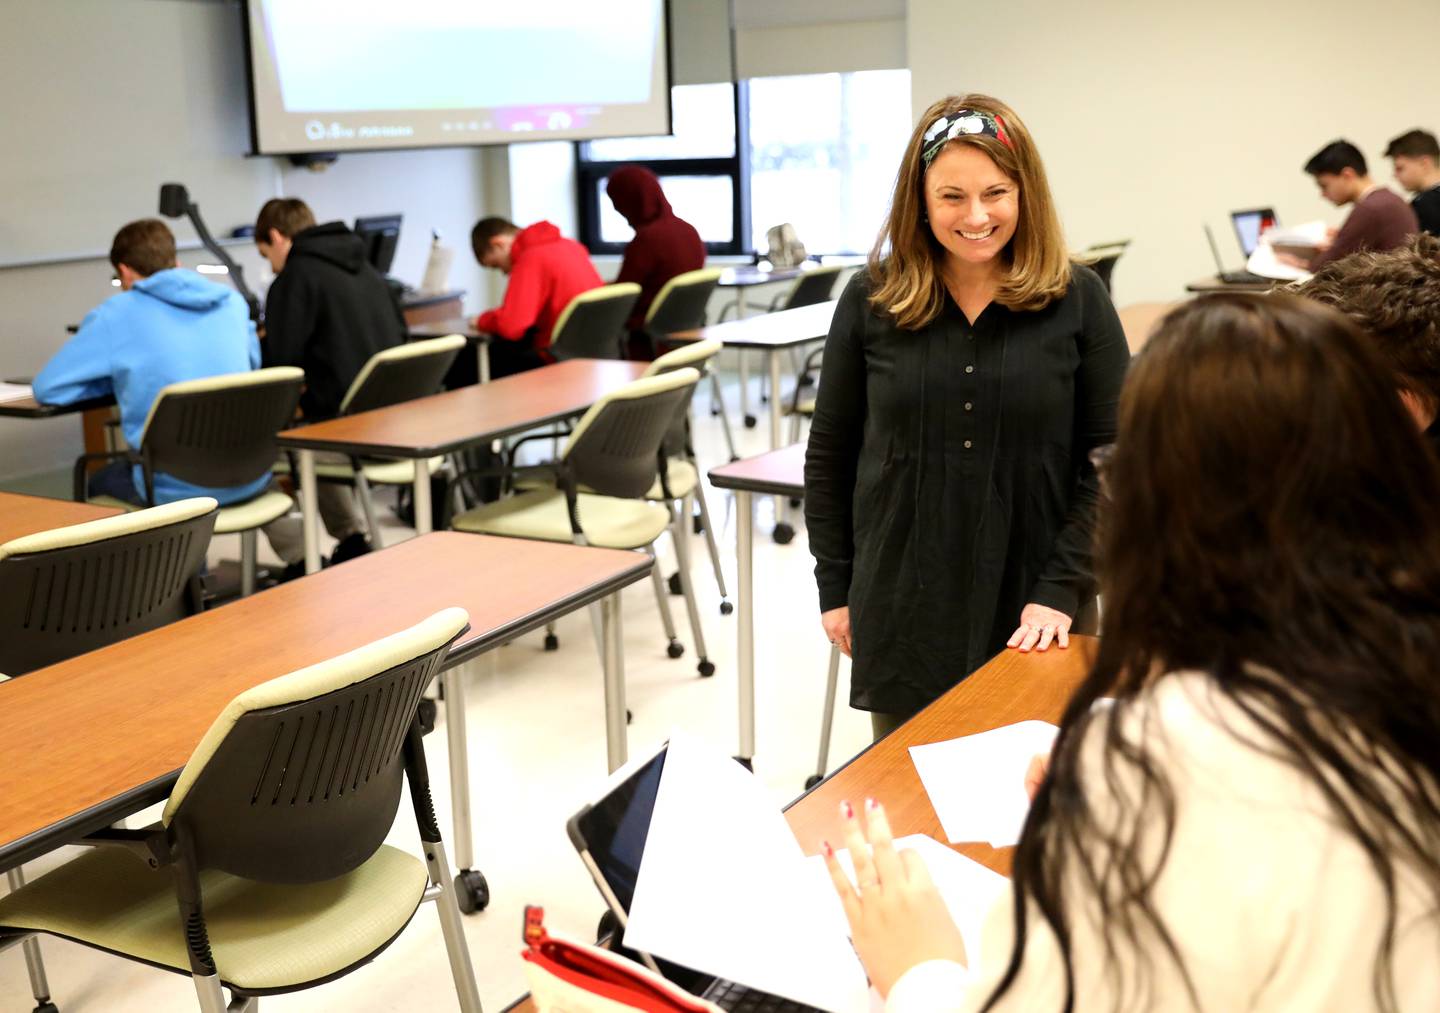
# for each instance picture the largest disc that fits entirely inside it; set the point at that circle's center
(968, 373)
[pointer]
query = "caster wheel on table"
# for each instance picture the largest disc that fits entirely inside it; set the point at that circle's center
(552, 642)
(427, 716)
(726, 608)
(472, 891)
(812, 781)
(674, 583)
(706, 668)
(675, 649)
(784, 534)
(750, 421)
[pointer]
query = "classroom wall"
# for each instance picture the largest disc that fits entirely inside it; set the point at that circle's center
(1154, 119)
(122, 95)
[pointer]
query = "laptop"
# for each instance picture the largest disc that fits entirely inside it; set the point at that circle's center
(610, 837)
(1232, 277)
(1251, 225)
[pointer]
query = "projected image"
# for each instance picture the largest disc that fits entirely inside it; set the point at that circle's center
(338, 74)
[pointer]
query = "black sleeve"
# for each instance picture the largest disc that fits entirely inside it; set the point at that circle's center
(290, 314)
(1068, 576)
(834, 448)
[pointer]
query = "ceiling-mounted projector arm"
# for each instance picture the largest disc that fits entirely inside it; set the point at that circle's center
(175, 202)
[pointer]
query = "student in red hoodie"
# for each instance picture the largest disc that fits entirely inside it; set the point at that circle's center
(664, 245)
(546, 271)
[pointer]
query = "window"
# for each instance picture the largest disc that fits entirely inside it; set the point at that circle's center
(820, 151)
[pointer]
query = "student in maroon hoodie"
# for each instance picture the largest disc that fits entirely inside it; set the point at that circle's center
(546, 271)
(664, 245)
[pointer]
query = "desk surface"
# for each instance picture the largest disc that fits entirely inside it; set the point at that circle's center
(431, 426)
(464, 326)
(24, 515)
(770, 330)
(132, 713)
(1213, 283)
(29, 408)
(419, 300)
(746, 276)
(1010, 687)
(777, 473)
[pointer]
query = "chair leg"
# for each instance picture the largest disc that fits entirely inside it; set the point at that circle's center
(34, 963)
(712, 543)
(795, 427)
(674, 648)
(448, 907)
(367, 504)
(724, 415)
(210, 994)
(248, 540)
(678, 519)
(827, 718)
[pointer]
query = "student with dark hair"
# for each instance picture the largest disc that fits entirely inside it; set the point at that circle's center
(545, 271)
(1394, 298)
(1380, 219)
(664, 246)
(328, 311)
(1253, 821)
(1416, 155)
(164, 326)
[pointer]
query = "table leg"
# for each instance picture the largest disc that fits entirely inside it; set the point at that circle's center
(745, 416)
(309, 511)
(784, 530)
(482, 359)
(452, 679)
(745, 591)
(616, 748)
(422, 496)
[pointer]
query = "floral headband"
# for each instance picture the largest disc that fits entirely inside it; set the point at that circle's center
(964, 121)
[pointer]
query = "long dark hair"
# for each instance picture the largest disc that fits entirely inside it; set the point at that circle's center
(1273, 522)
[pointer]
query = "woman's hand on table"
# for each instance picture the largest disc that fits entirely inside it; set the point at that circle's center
(1039, 626)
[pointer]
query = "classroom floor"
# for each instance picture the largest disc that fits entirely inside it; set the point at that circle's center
(537, 753)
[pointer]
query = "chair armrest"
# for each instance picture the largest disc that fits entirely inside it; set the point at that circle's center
(149, 845)
(82, 469)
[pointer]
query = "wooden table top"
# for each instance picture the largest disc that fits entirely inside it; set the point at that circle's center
(769, 330)
(22, 515)
(1010, 687)
(777, 473)
(105, 733)
(1212, 283)
(441, 423)
(29, 408)
(464, 326)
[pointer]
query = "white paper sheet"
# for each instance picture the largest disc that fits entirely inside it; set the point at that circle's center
(723, 888)
(976, 783)
(15, 391)
(968, 888)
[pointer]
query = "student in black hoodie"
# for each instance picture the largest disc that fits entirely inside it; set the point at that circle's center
(327, 312)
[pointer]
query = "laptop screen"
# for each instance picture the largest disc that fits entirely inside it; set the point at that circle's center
(615, 828)
(1249, 225)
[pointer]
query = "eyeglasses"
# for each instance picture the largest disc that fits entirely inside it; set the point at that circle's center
(1100, 459)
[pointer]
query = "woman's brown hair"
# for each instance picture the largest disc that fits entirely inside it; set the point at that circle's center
(1270, 523)
(904, 267)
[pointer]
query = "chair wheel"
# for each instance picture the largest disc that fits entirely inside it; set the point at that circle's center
(714, 409)
(427, 716)
(674, 584)
(726, 608)
(472, 891)
(706, 668)
(748, 762)
(795, 502)
(552, 642)
(698, 525)
(47, 1007)
(629, 716)
(783, 534)
(812, 781)
(750, 421)
(807, 380)
(675, 649)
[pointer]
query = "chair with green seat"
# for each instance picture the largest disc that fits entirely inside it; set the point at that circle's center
(268, 872)
(810, 287)
(681, 305)
(389, 377)
(78, 588)
(680, 479)
(592, 325)
(594, 494)
(217, 432)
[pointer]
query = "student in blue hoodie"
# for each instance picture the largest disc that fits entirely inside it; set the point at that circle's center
(164, 326)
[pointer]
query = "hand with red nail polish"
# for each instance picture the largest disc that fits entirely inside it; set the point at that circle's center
(897, 918)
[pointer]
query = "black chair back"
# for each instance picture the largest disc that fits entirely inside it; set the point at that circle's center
(812, 287)
(681, 305)
(615, 448)
(402, 374)
(593, 325)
